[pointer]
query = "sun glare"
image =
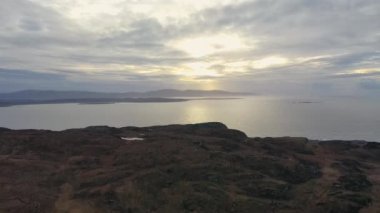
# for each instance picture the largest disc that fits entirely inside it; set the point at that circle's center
(208, 45)
(271, 61)
(199, 69)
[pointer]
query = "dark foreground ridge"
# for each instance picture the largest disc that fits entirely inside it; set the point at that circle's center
(184, 168)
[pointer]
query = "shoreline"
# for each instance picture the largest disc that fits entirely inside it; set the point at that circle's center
(312, 140)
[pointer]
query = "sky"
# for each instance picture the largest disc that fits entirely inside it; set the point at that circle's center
(277, 47)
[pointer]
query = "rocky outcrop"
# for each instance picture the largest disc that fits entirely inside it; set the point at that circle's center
(183, 168)
(3, 129)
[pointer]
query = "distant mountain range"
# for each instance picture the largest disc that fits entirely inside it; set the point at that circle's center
(45, 95)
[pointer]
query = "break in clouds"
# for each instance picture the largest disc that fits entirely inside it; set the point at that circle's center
(265, 46)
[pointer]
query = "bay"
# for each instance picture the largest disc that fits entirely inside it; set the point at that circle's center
(317, 118)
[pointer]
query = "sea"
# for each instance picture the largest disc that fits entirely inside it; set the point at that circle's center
(258, 116)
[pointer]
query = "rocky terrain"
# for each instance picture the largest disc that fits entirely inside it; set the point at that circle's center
(184, 168)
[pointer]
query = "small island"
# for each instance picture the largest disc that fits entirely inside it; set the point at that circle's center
(203, 167)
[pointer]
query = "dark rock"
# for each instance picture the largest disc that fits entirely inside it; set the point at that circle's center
(350, 203)
(102, 129)
(372, 145)
(340, 146)
(2, 129)
(209, 125)
(299, 173)
(359, 199)
(354, 182)
(265, 189)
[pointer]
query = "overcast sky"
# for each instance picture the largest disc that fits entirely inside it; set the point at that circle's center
(266, 46)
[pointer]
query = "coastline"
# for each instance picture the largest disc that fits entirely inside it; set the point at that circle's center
(108, 101)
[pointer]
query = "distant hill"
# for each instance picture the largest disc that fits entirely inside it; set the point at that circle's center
(43, 95)
(192, 93)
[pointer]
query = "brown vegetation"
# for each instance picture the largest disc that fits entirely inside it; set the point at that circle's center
(184, 168)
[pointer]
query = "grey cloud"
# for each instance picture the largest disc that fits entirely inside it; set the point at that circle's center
(131, 76)
(28, 75)
(33, 37)
(370, 84)
(20, 16)
(30, 25)
(142, 33)
(14, 80)
(323, 87)
(38, 35)
(26, 25)
(300, 26)
(334, 66)
(11, 80)
(357, 59)
(347, 32)
(356, 75)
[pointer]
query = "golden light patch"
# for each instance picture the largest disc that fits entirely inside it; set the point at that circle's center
(361, 72)
(366, 70)
(204, 84)
(271, 61)
(200, 75)
(199, 69)
(210, 44)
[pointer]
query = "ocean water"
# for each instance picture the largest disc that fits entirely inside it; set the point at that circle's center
(332, 118)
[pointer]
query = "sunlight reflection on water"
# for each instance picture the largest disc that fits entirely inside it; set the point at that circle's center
(257, 116)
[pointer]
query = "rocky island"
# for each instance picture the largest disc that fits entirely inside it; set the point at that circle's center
(184, 168)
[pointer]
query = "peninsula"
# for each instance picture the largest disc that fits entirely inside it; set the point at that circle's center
(28, 97)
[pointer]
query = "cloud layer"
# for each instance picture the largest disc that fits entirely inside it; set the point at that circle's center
(268, 46)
